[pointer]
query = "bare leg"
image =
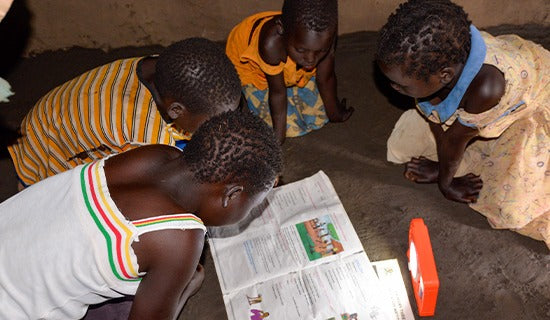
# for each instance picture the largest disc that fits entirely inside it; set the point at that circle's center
(422, 170)
(192, 287)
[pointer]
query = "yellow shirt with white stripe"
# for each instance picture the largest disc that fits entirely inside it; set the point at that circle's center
(104, 111)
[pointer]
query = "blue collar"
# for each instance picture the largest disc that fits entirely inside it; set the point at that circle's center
(446, 108)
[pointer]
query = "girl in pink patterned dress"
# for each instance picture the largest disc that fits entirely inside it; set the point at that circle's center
(481, 126)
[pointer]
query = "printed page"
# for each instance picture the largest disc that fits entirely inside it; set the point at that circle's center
(286, 204)
(389, 273)
(342, 289)
(291, 232)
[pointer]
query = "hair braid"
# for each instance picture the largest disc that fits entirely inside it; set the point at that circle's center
(427, 35)
(235, 146)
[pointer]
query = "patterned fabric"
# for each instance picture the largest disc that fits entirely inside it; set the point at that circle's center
(104, 111)
(514, 162)
(117, 231)
(306, 111)
(305, 108)
(70, 249)
(173, 221)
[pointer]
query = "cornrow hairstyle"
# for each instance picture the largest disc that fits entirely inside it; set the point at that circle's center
(427, 35)
(197, 73)
(313, 15)
(235, 146)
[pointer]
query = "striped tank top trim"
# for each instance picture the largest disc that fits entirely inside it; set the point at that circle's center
(174, 221)
(115, 228)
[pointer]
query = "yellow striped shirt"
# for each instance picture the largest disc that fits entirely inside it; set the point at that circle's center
(103, 111)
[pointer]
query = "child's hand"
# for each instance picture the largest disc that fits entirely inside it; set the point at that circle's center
(463, 189)
(342, 113)
(280, 135)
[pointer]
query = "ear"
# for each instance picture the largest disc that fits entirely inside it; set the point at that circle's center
(446, 75)
(175, 110)
(279, 25)
(231, 192)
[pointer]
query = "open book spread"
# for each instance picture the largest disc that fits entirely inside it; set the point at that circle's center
(297, 256)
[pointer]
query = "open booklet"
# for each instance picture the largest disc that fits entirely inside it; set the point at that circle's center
(297, 256)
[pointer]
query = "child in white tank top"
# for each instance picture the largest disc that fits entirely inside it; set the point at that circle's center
(132, 224)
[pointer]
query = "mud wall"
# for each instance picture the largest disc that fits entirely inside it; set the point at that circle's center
(56, 24)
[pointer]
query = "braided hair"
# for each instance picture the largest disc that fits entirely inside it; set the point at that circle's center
(314, 15)
(197, 73)
(235, 146)
(427, 35)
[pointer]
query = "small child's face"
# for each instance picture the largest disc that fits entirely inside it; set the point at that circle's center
(409, 85)
(307, 47)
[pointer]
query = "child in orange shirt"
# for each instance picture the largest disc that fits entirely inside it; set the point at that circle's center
(286, 64)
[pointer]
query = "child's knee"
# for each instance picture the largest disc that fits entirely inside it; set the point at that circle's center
(411, 137)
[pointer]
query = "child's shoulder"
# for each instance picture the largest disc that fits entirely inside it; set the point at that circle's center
(248, 25)
(271, 45)
(260, 16)
(485, 90)
(144, 157)
(159, 151)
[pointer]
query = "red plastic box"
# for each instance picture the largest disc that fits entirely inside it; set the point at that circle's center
(422, 267)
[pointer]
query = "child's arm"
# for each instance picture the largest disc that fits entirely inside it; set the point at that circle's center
(278, 105)
(451, 145)
(272, 51)
(170, 258)
(484, 93)
(337, 111)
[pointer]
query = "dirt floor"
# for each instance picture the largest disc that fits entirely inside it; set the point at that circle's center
(484, 273)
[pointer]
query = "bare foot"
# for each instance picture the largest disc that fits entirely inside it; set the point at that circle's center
(422, 170)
